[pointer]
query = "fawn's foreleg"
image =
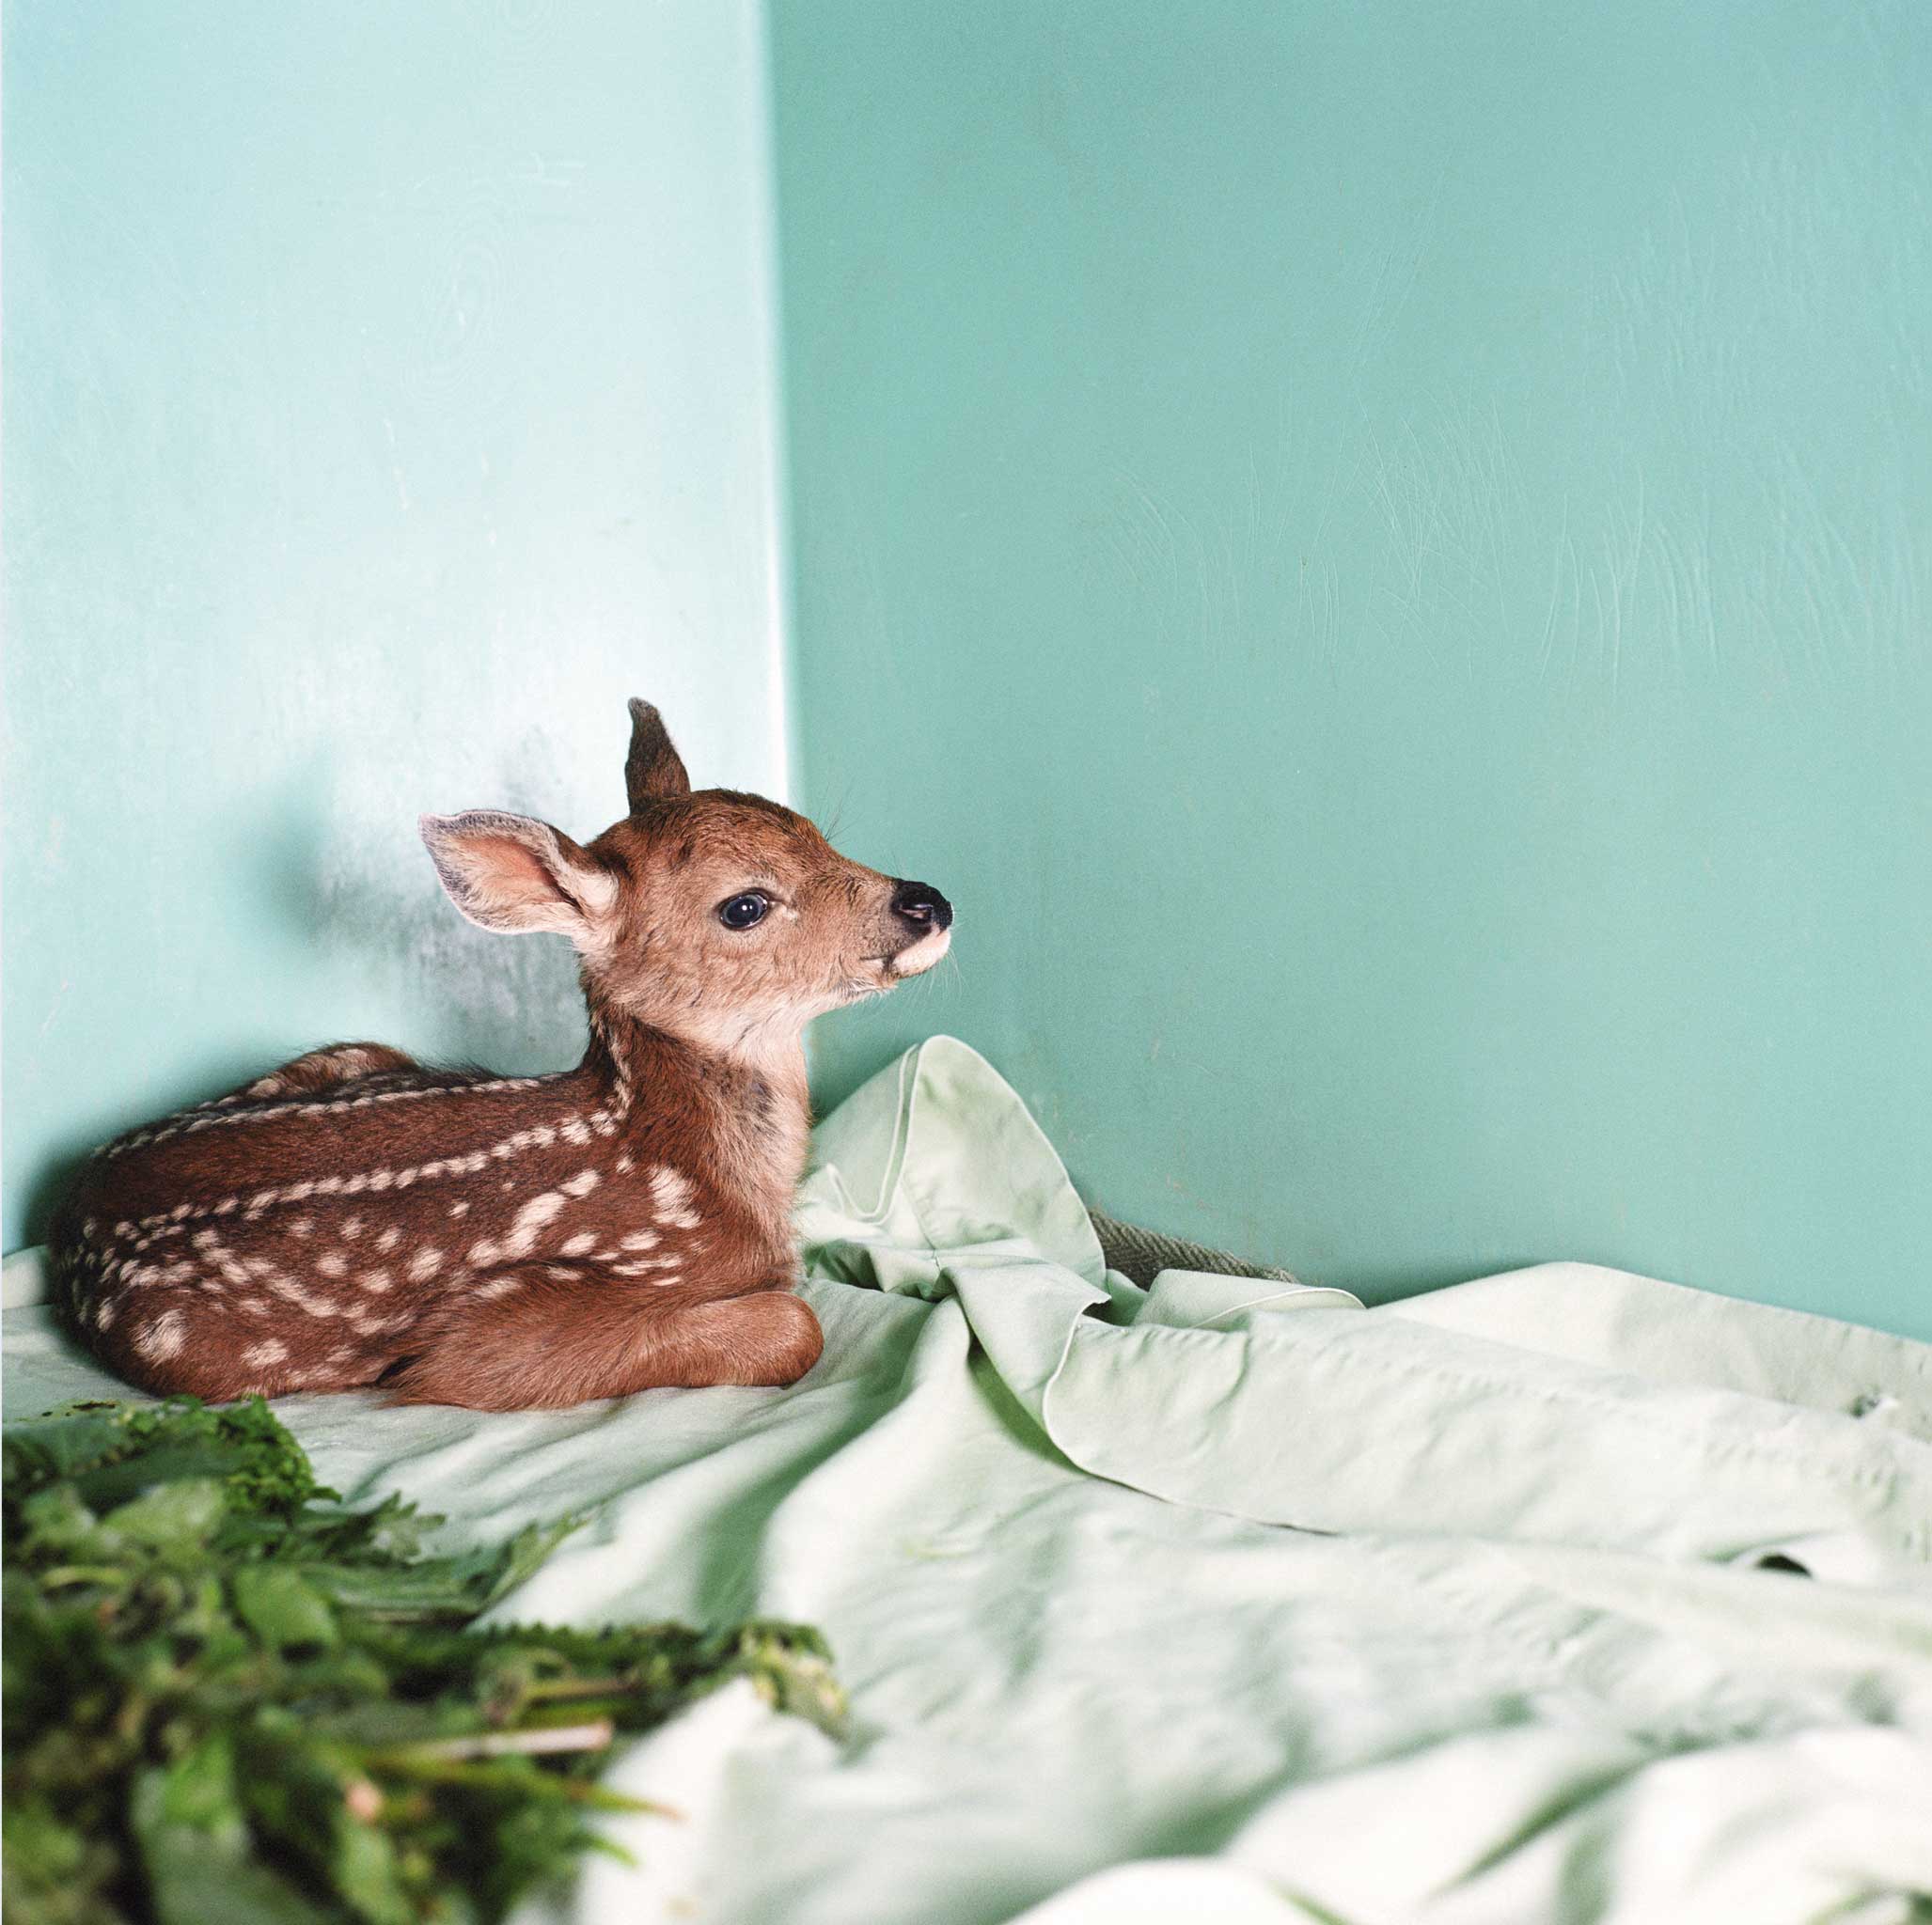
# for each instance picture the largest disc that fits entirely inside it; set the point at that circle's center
(542, 1341)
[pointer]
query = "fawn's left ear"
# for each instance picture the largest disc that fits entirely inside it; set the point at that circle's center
(514, 874)
(653, 770)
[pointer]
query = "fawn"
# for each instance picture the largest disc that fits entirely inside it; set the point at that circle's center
(355, 1219)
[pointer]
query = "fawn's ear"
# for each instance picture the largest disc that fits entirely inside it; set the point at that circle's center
(653, 771)
(513, 874)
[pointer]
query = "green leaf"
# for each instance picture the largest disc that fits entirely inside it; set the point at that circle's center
(55, 1524)
(58, 1446)
(175, 1519)
(367, 1873)
(196, 1850)
(268, 1709)
(280, 1607)
(50, 1873)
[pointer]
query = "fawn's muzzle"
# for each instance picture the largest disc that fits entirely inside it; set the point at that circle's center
(921, 908)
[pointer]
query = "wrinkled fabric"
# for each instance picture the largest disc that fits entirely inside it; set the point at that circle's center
(1229, 1600)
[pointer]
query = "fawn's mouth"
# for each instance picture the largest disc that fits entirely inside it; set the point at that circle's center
(914, 960)
(917, 957)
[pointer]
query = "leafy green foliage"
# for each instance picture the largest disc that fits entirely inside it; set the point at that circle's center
(231, 1700)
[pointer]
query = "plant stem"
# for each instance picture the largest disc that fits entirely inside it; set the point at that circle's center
(594, 1736)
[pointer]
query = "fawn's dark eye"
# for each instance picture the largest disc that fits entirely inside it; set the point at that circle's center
(741, 911)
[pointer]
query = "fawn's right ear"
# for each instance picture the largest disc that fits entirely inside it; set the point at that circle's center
(653, 770)
(514, 874)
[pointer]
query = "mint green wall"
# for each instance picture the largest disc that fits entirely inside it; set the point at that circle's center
(388, 396)
(1383, 554)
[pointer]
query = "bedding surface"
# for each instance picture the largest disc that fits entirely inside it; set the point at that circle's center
(1562, 1595)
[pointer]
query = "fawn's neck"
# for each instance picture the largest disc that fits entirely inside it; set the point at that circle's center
(738, 1126)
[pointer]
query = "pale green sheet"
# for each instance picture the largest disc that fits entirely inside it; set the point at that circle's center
(1227, 1601)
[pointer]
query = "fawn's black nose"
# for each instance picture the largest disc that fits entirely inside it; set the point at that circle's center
(921, 906)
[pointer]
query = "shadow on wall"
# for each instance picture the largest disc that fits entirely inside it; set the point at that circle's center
(471, 996)
(360, 906)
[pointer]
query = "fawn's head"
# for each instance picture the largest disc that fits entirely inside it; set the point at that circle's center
(715, 915)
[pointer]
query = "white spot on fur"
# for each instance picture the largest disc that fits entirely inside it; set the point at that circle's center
(669, 1188)
(352, 1229)
(424, 1264)
(164, 1338)
(625, 1164)
(670, 1194)
(581, 1244)
(459, 1209)
(271, 1349)
(303, 1227)
(573, 1130)
(291, 1293)
(541, 1209)
(500, 1288)
(331, 1263)
(377, 1280)
(582, 1183)
(640, 1240)
(389, 1238)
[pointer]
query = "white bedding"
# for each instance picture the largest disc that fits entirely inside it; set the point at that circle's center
(1227, 1602)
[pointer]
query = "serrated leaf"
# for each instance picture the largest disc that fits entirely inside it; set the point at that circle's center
(286, 1712)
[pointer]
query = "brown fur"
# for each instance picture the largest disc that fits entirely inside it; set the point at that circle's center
(353, 1219)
